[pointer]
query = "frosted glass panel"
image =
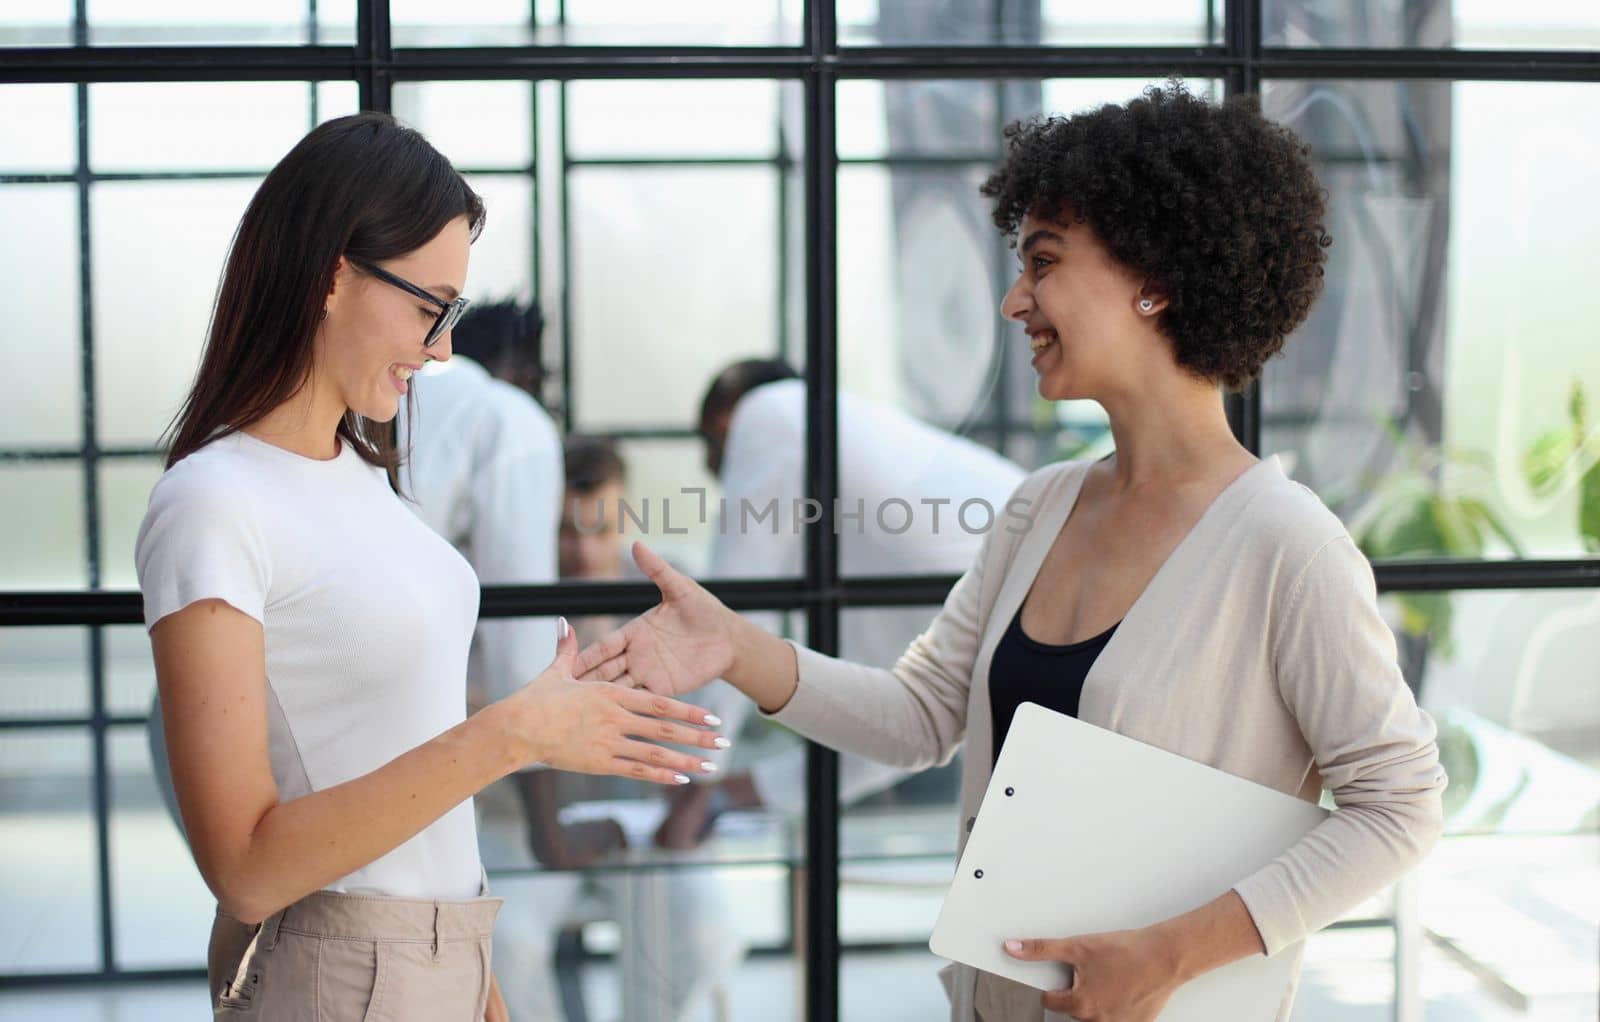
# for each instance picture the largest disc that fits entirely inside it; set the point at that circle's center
(38, 128)
(463, 23)
(183, 126)
(47, 853)
(658, 296)
(596, 22)
(162, 908)
(205, 22)
(1447, 24)
(41, 526)
(335, 99)
(682, 118)
(124, 494)
(501, 264)
(684, 23)
(41, 23)
(40, 259)
(486, 125)
(1051, 22)
(44, 672)
(155, 238)
(130, 670)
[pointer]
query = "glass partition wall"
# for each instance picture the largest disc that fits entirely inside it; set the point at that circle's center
(679, 187)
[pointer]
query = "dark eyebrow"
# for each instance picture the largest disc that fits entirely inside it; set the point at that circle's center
(1042, 234)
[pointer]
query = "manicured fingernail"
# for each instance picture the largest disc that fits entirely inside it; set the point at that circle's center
(1014, 946)
(562, 628)
(722, 743)
(712, 720)
(708, 767)
(680, 778)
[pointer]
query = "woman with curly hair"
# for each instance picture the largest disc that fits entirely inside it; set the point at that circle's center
(1180, 591)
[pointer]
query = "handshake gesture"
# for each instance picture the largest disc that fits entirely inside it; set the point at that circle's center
(609, 709)
(686, 641)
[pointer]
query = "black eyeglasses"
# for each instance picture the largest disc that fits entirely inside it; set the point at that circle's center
(449, 312)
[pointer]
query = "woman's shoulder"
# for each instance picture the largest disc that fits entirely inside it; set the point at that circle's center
(1285, 523)
(217, 477)
(1291, 509)
(1052, 476)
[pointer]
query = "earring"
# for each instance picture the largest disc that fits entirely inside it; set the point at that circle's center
(1145, 305)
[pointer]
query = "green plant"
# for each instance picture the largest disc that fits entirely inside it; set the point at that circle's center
(1567, 453)
(1419, 511)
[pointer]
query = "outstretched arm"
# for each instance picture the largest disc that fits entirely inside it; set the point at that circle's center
(258, 854)
(912, 716)
(687, 640)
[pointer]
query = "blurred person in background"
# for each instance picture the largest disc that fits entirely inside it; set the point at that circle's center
(591, 527)
(692, 904)
(752, 423)
(591, 545)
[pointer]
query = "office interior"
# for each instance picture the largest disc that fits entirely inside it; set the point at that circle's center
(680, 186)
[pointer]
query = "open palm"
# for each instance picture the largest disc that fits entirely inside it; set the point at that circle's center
(677, 646)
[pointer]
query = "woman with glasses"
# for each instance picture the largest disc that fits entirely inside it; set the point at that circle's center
(311, 633)
(1179, 592)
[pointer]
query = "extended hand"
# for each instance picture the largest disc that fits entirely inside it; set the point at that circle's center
(595, 728)
(1126, 976)
(678, 645)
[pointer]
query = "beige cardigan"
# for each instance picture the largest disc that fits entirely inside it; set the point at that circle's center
(1257, 649)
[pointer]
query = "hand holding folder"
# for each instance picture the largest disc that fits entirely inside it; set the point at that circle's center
(1086, 832)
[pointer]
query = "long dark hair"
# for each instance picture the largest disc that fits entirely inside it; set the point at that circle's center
(363, 186)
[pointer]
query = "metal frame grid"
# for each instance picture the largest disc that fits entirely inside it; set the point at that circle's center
(818, 63)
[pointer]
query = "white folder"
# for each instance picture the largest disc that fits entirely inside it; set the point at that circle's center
(1083, 831)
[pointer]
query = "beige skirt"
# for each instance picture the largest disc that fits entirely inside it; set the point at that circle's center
(337, 957)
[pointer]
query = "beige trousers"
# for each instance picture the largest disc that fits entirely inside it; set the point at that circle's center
(354, 958)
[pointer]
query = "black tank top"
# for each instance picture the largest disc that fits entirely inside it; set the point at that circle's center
(1026, 671)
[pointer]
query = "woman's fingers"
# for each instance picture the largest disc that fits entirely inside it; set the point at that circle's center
(648, 704)
(676, 734)
(597, 653)
(661, 757)
(645, 772)
(611, 670)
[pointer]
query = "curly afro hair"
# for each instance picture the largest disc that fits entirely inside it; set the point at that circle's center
(1214, 203)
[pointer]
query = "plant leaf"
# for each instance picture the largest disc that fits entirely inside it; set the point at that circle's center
(1459, 535)
(1589, 509)
(1543, 462)
(1482, 512)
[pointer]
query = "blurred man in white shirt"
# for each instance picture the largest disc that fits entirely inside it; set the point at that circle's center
(913, 500)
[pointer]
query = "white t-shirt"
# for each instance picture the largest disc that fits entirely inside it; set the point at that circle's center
(367, 617)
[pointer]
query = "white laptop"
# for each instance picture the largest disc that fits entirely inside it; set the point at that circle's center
(1085, 831)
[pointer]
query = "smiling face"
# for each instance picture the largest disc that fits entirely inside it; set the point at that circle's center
(1081, 310)
(371, 341)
